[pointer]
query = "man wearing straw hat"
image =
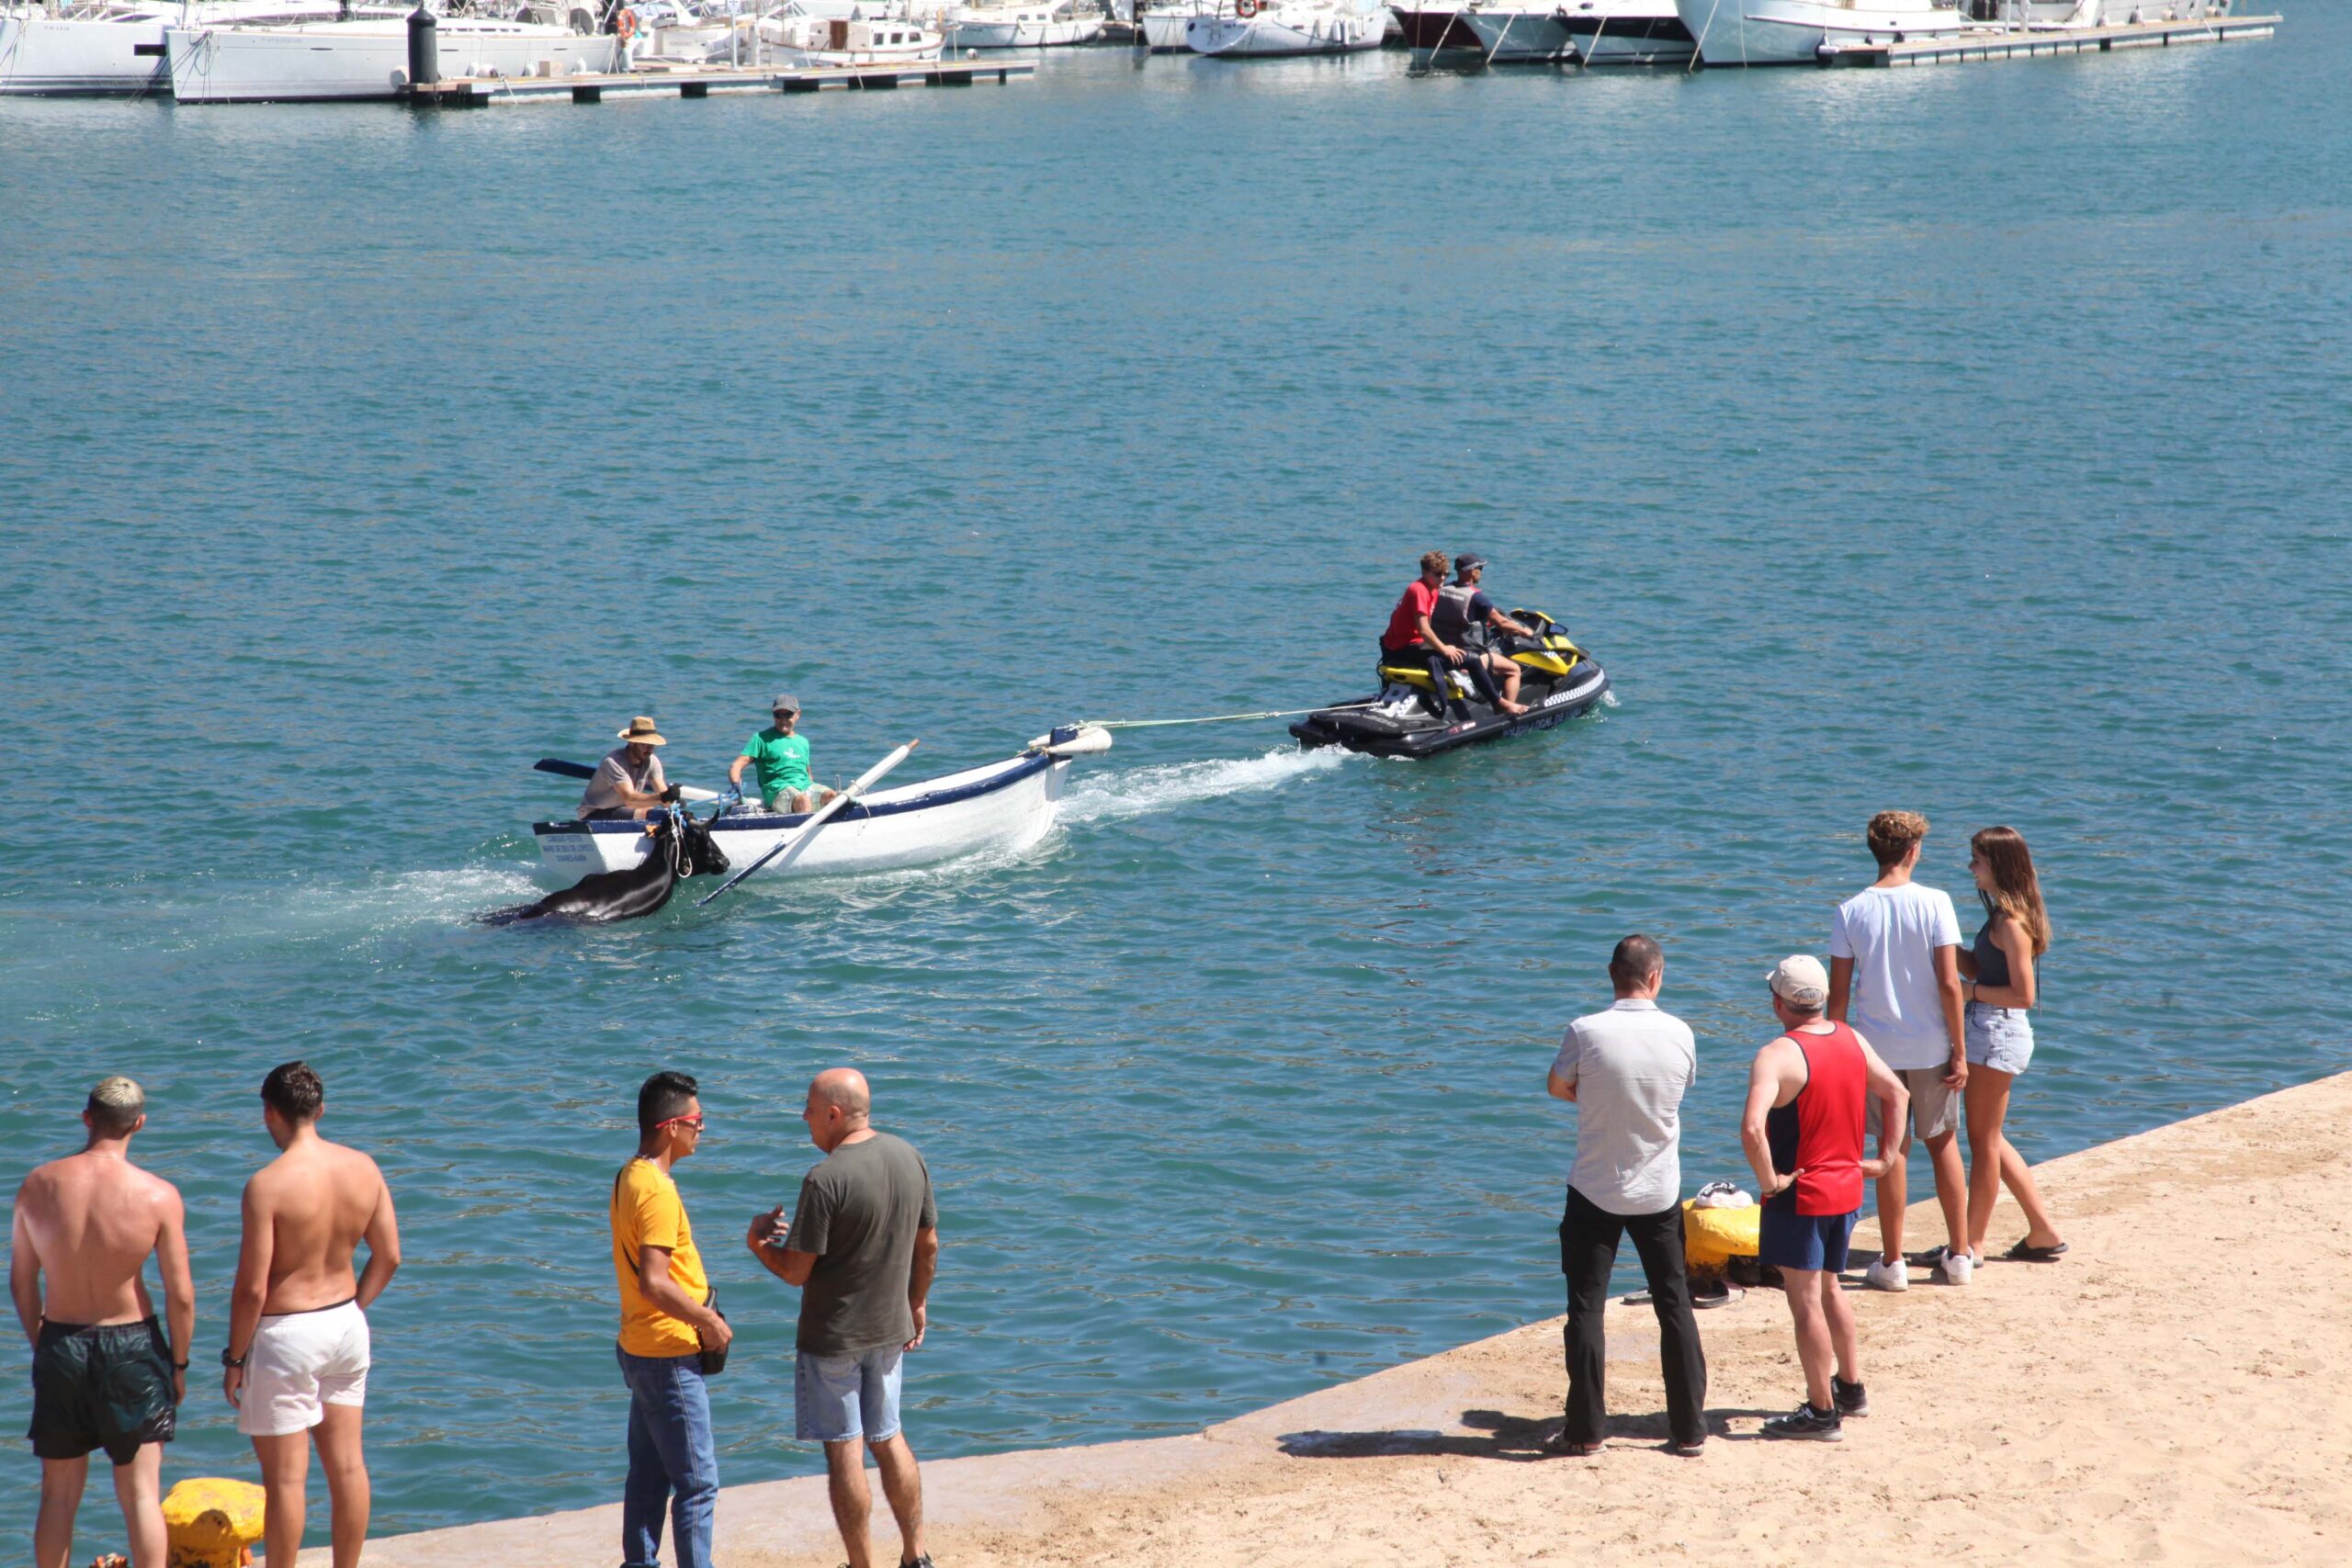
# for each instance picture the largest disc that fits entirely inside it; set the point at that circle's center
(629, 781)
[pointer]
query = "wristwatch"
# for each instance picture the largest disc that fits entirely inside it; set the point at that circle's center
(229, 1360)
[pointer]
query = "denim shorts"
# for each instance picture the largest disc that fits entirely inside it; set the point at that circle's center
(835, 1398)
(1789, 1240)
(1999, 1038)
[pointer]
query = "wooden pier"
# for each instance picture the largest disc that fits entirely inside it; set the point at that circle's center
(702, 82)
(2026, 43)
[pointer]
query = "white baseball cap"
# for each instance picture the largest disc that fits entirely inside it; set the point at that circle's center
(1801, 981)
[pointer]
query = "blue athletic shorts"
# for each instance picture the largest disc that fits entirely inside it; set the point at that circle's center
(1787, 1240)
(835, 1398)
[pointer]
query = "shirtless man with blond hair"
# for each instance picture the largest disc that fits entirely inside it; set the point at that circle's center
(103, 1374)
(297, 1355)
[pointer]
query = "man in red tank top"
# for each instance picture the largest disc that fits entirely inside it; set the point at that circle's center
(1409, 636)
(1803, 1131)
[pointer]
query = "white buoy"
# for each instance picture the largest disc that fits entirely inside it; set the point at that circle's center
(1084, 741)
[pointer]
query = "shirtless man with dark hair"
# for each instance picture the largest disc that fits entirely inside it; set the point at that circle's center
(103, 1374)
(297, 1352)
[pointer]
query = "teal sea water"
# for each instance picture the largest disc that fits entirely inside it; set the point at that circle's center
(1968, 439)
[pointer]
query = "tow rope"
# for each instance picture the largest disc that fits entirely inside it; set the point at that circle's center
(1221, 718)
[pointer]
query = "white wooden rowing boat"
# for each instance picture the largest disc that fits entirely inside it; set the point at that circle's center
(1006, 805)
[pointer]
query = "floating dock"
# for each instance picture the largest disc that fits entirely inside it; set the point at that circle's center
(702, 82)
(2027, 43)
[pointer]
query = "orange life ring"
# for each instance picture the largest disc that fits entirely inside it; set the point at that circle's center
(1245, 9)
(624, 24)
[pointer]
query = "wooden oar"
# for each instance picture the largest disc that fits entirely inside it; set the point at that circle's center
(817, 819)
(562, 768)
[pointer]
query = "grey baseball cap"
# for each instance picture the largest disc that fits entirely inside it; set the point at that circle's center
(1467, 560)
(784, 702)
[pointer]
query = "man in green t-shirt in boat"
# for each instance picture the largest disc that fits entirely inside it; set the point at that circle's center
(782, 758)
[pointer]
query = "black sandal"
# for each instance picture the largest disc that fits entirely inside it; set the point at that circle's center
(2022, 1253)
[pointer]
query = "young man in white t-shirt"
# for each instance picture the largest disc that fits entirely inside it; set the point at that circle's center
(1894, 975)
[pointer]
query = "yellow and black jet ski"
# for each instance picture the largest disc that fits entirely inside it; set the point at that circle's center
(1420, 711)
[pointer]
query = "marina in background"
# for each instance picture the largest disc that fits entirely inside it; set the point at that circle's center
(1969, 440)
(463, 52)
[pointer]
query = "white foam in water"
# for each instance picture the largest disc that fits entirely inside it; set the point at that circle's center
(1162, 788)
(410, 896)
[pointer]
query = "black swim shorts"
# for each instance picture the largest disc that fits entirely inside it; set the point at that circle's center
(105, 1387)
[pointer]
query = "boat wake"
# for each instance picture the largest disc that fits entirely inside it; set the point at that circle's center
(1165, 787)
(391, 899)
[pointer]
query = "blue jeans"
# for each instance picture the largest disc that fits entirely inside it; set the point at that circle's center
(672, 1460)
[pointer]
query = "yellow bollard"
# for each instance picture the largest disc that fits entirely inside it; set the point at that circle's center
(1713, 1237)
(213, 1523)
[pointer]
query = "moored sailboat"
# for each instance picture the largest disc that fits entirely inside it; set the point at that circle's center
(368, 57)
(116, 46)
(1256, 31)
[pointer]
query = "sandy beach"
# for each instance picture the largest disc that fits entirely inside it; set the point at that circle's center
(2175, 1389)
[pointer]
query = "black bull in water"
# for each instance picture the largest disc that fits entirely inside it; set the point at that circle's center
(682, 848)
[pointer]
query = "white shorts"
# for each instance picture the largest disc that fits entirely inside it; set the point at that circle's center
(301, 1362)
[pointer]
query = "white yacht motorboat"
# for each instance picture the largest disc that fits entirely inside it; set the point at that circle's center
(1597, 33)
(1521, 34)
(1433, 26)
(1263, 28)
(1046, 26)
(114, 46)
(1794, 32)
(1160, 24)
(833, 40)
(367, 58)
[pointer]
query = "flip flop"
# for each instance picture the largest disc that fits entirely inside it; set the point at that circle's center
(2021, 1253)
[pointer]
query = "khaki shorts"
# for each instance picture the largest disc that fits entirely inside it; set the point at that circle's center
(1935, 1109)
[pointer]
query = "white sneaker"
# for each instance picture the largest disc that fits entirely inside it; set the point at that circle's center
(1884, 1276)
(1956, 1268)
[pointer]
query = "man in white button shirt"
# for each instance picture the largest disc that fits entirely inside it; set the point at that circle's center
(1627, 1071)
(1894, 977)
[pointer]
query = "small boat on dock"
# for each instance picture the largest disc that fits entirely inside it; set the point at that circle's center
(833, 40)
(1001, 807)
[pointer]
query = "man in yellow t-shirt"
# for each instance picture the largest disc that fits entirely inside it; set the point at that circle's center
(667, 1322)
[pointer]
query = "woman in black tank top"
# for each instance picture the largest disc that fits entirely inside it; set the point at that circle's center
(1998, 976)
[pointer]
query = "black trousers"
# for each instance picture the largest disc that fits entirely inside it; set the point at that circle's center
(1473, 666)
(1589, 1237)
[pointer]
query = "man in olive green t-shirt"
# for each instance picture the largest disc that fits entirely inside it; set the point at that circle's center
(782, 758)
